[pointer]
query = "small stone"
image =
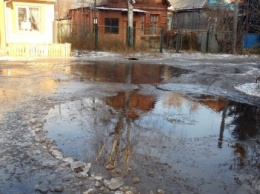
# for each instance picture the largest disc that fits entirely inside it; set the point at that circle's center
(119, 192)
(98, 184)
(40, 139)
(118, 171)
(84, 174)
(151, 174)
(98, 178)
(102, 188)
(160, 191)
(87, 167)
(128, 190)
(81, 183)
(57, 154)
(135, 180)
(41, 188)
(68, 159)
(89, 191)
(58, 188)
(68, 177)
(79, 175)
(64, 165)
(110, 167)
(115, 183)
(79, 166)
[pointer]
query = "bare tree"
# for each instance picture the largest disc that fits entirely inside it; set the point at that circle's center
(62, 8)
(250, 16)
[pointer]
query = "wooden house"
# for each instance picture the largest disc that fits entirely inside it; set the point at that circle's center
(198, 14)
(27, 28)
(111, 16)
(210, 21)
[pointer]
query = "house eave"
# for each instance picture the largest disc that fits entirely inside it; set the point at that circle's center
(187, 10)
(118, 9)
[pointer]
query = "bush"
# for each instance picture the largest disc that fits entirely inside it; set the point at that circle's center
(190, 41)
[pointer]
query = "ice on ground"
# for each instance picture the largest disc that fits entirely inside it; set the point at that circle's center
(77, 53)
(252, 89)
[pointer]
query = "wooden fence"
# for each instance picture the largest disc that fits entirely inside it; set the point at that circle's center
(39, 50)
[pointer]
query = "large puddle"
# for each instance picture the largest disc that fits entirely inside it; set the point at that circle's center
(173, 141)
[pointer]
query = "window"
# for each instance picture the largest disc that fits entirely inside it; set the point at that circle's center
(111, 25)
(142, 25)
(28, 18)
(154, 24)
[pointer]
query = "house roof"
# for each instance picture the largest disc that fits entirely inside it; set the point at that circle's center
(99, 3)
(87, 3)
(187, 4)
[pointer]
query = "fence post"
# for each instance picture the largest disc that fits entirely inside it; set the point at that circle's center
(161, 40)
(128, 37)
(207, 42)
(178, 42)
(96, 35)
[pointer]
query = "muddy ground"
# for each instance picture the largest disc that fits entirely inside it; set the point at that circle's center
(32, 163)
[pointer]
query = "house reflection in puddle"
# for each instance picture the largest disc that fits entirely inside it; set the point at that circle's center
(120, 134)
(125, 73)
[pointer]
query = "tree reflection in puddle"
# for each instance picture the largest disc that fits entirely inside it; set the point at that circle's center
(172, 141)
(175, 139)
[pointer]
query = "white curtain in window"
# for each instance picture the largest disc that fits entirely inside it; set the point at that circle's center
(22, 17)
(34, 18)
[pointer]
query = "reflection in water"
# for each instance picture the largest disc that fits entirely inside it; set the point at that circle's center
(126, 73)
(246, 120)
(126, 131)
(21, 81)
(14, 72)
(132, 134)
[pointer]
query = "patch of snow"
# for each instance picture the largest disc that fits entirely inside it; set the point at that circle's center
(77, 53)
(254, 72)
(161, 56)
(191, 88)
(207, 56)
(252, 89)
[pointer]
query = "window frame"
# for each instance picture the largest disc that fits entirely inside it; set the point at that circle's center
(143, 25)
(112, 25)
(27, 20)
(154, 24)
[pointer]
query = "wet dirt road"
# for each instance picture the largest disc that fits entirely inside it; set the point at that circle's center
(151, 126)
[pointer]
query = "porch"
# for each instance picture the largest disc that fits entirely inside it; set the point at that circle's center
(39, 50)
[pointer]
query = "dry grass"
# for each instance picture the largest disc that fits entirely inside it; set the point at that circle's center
(190, 41)
(87, 42)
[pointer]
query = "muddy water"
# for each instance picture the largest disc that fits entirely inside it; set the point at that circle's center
(170, 141)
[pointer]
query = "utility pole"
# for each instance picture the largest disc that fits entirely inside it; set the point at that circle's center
(95, 25)
(235, 25)
(130, 10)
